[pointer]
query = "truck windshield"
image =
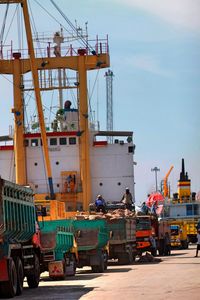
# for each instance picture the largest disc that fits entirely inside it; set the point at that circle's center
(143, 224)
(174, 231)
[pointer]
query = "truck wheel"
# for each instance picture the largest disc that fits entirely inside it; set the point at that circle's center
(34, 278)
(126, 258)
(105, 260)
(74, 265)
(9, 288)
(20, 275)
(101, 267)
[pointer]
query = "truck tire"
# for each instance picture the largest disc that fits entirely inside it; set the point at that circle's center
(9, 288)
(20, 275)
(34, 278)
(74, 265)
(105, 261)
(126, 258)
(101, 267)
(184, 244)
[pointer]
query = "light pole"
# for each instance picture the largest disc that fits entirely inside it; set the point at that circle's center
(134, 164)
(156, 170)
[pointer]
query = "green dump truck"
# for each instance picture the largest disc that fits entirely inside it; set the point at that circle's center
(19, 252)
(58, 248)
(92, 238)
(122, 244)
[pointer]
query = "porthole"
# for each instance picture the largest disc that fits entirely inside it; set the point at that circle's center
(72, 141)
(34, 142)
(53, 141)
(63, 141)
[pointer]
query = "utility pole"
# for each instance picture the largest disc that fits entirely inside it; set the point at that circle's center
(156, 170)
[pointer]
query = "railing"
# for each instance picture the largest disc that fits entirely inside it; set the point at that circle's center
(100, 46)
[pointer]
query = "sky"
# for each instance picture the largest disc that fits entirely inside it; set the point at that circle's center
(154, 52)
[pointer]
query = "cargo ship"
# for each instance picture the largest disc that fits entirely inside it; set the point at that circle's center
(183, 210)
(66, 160)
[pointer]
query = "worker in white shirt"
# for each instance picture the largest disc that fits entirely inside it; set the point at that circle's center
(198, 242)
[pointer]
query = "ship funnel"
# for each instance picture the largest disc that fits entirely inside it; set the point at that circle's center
(182, 174)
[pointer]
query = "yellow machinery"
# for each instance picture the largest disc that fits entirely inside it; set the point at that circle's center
(165, 184)
(192, 230)
(179, 234)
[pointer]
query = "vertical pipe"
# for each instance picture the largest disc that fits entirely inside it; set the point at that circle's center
(84, 129)
(19, 149)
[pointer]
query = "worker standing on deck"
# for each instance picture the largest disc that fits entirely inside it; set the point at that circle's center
(144, 208)
(198, 243)
(127, 199)
(100, 204)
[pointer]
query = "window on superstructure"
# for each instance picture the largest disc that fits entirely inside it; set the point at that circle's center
(34, 143)
(53, 142)
(196, 212)
(63, 141)
(130, 149)
(189, 210)
(26, 143)
(72, 141)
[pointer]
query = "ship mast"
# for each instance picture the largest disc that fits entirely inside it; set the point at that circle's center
(83, 61)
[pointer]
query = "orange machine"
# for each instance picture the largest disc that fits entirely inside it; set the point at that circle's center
(165, 184)
(143, 233)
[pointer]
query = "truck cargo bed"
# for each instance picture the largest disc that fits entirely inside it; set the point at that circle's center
(17, 212)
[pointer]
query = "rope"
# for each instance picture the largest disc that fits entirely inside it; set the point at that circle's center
(4, 24)
(51, 15)
(10, 24)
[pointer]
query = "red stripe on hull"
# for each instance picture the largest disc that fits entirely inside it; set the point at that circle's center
(9, 147)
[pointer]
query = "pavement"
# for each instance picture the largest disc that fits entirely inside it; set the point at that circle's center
(175, 277)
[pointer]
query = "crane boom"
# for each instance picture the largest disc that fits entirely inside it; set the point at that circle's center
(165, 186)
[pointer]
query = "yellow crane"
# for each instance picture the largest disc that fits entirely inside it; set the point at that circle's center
(165, 184)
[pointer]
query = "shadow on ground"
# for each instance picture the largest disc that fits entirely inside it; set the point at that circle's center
(56, 292)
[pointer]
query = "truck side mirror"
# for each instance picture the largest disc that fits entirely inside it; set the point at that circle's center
(78, 233)
(111, 234)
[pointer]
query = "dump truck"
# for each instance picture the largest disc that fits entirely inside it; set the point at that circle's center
(143, 233)
(58, 248)
(122, 244)
(19, 254)
(92, 237)
(192, 230)
(148, 226)
(122, 230)
(181, 233)
(175, 236)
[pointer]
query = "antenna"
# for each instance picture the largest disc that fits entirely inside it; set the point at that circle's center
(109, 102)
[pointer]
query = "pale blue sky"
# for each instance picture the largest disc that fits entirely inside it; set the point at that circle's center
(154, 51)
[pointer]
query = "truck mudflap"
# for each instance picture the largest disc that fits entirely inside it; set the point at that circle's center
(56, 269)
(4, 270)
(62, 268)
